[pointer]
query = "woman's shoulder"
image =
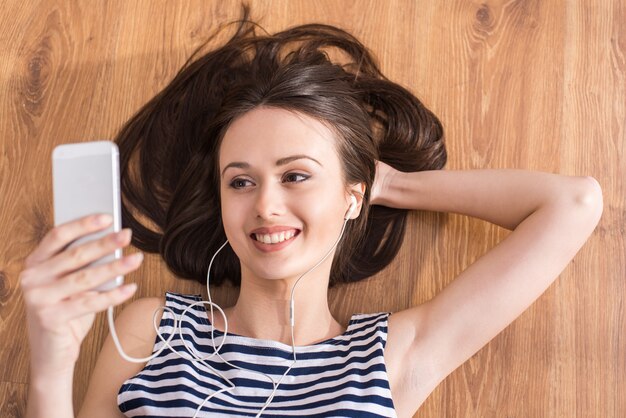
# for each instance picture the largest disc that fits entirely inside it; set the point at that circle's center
(137, 309)
(135, 324)
(138, 314)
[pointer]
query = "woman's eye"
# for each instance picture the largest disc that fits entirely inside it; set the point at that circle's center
(297, 175)
(236, 184)
(240, 183)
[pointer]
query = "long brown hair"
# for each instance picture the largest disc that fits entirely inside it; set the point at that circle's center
(175, 139)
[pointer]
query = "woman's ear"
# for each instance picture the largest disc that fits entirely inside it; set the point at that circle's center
(358, 191)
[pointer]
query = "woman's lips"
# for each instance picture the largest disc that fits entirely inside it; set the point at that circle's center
(268, 248)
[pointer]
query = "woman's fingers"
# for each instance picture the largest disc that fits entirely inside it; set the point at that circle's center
(76, 258)
(73, 259)
(59, 237)
(86, 279)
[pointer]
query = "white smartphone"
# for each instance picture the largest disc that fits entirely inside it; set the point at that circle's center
(86, 181)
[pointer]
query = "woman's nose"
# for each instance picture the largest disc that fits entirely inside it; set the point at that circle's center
(269, 201)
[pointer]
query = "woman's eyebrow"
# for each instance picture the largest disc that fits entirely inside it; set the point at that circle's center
(281, 161)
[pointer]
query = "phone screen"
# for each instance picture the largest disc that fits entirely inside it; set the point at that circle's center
(85, 181)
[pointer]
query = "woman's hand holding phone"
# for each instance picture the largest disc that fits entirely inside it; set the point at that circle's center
(60, 302)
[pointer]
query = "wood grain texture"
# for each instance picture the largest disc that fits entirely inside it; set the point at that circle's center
(530, 84)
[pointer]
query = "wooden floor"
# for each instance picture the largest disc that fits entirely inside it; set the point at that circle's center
(537, 85)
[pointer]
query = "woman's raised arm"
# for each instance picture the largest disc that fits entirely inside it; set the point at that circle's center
(551, 217)
(504, 197)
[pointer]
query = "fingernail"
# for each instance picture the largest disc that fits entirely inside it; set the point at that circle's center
(132, 259)
(102, 220)
(129, 288)
(123, 235)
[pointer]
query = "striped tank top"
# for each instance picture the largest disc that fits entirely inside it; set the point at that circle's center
(344, 376)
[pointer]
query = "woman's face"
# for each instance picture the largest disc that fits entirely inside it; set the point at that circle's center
(264, 184)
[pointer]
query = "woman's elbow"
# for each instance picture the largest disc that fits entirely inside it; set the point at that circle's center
(589, 199)
(590, 194)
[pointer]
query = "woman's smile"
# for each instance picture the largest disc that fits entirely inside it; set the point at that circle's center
(274, 242)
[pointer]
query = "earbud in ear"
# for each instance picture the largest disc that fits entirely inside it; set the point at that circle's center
(351, 208)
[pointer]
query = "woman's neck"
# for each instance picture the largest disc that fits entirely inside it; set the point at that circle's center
(263, 313)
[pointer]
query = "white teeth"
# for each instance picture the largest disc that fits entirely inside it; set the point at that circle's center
(275, 238)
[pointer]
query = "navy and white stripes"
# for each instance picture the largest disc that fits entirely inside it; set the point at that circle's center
(344, 376)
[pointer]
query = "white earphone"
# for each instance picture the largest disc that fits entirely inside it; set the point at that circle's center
(351, 208)
(194, 357)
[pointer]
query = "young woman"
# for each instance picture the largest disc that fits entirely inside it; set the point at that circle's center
(293, 172)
